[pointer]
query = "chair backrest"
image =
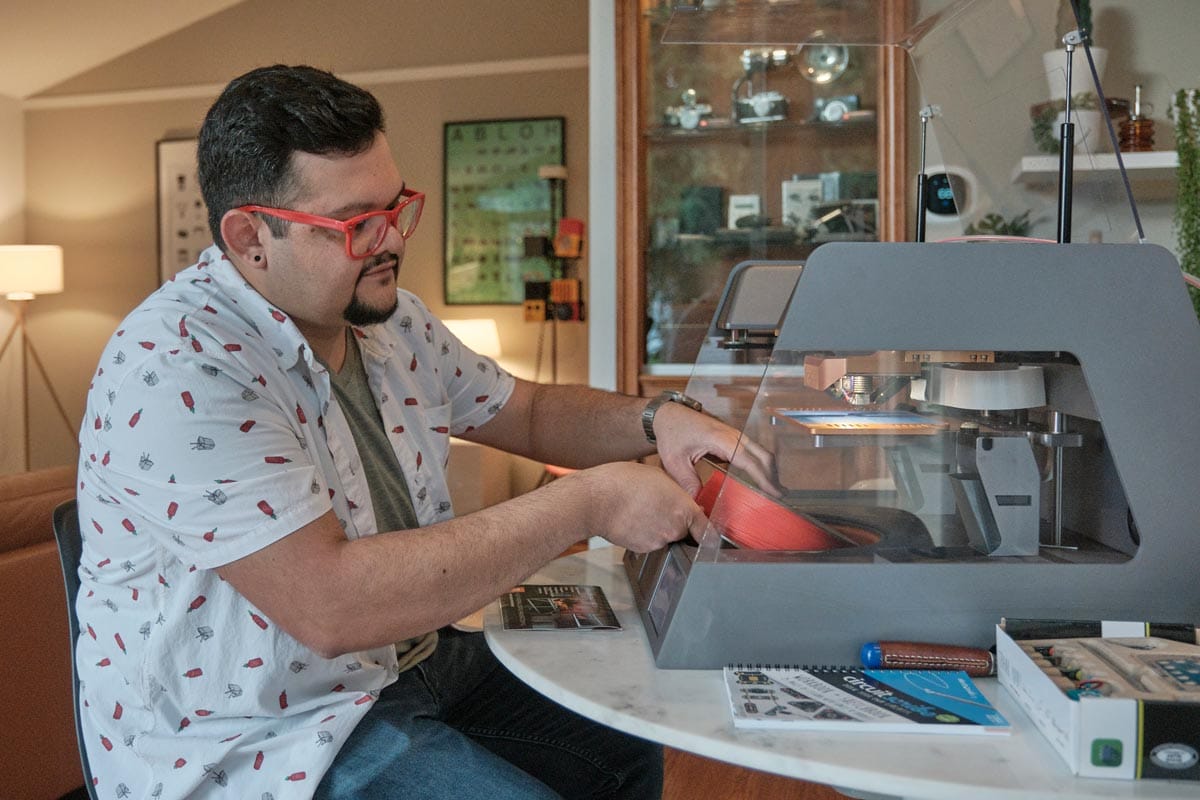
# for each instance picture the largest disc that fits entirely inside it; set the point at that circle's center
(70, 551)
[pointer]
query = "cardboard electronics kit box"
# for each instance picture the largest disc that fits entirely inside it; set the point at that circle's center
(1114, 699)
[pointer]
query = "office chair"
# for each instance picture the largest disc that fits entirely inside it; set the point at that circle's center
(70, 550)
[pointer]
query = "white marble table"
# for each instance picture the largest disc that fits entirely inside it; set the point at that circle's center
(610, 677)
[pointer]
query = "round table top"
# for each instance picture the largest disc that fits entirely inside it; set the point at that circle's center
(610, 676)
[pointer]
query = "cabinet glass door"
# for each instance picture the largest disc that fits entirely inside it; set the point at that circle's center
(749, 151)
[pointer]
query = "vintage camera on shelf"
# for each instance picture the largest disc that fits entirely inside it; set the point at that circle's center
(752, 101)
(834, 109)
(690, 115)
(761, 107)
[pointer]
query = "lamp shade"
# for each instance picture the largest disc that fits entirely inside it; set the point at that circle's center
(481, 335)
(27, 270)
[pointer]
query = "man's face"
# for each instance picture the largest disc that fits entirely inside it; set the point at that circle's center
(308, 274)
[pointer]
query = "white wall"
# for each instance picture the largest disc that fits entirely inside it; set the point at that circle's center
(12, 172)
(12, 231)
(602, 202)
(463, 61)
(1149, 43)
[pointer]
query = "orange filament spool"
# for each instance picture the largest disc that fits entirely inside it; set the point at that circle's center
(755, 521)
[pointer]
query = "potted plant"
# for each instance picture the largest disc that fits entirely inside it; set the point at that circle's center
(1047, 117)
(993, 224)
(1184, 112)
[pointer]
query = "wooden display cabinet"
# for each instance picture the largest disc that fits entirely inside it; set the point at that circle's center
(677, 172)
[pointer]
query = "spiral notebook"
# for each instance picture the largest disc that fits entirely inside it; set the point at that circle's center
(854, 699)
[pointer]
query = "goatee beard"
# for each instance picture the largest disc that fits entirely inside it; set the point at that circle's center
(359, 313)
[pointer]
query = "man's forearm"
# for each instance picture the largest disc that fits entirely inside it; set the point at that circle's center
(577, 426)
(366, 592)
(567, 425)
(446, 571)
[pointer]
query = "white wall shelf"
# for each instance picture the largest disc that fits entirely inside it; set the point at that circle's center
(1155, 166)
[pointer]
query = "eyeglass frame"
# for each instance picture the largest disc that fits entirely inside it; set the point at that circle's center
(344, 226)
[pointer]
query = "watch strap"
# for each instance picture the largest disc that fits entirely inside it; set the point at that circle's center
(669, 396)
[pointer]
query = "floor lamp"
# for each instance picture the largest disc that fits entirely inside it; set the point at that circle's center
(25, 272)
(481, 335)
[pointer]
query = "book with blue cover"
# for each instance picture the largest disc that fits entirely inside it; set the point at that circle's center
(854, 699)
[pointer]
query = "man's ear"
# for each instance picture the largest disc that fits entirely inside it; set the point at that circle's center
(244, 234)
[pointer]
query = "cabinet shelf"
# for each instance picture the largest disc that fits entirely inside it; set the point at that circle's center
(723, 129)
(1042, 171)
(774, 239)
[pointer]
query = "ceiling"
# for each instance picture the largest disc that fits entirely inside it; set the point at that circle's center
(46, 42)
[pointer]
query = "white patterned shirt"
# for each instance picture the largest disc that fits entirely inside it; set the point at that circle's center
(210, 432)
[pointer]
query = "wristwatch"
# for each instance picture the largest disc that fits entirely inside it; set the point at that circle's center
(669, 396)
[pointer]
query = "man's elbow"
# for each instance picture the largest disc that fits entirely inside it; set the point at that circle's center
(328, 651)
(323, 634)
(331, 635)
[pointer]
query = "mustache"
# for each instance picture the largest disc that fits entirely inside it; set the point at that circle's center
(379, 259)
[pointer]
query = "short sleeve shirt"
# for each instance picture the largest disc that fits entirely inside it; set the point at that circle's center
(210, 432)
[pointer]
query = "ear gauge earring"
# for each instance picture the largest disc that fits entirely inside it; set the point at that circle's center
(258, 258)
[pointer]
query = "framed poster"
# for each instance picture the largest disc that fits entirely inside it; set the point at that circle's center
(493, 199)
(182, 217)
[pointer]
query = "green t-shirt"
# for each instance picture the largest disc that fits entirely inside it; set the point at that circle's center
(389, 489)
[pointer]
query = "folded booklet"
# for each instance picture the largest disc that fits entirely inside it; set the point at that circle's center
(853, 699)
(557, 607)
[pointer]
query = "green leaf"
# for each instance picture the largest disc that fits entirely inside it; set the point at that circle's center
(1183, 112)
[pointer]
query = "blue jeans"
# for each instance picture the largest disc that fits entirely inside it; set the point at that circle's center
(459, 726)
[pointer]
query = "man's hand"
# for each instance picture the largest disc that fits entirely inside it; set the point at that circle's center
(638, 506)
(685, 436)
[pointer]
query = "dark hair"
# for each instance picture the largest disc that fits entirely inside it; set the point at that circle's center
(264, 116)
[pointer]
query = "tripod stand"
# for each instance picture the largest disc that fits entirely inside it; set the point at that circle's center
(29, 354)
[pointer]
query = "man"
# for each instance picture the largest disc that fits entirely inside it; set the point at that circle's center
(270, 550)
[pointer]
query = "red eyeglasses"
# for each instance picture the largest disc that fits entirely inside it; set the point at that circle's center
(364, 232)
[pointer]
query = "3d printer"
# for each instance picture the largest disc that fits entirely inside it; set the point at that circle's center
(974, 430)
